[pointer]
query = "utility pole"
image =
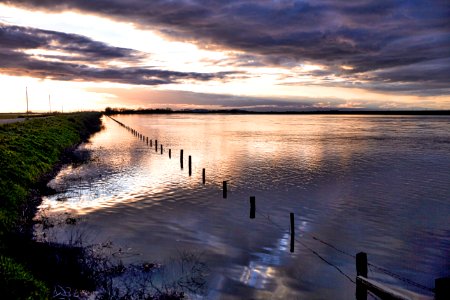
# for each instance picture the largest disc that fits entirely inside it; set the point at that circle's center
(26, 94)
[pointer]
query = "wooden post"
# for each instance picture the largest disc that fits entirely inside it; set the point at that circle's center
(361, 290)
(252, 207)
(151, 143)
(190, 165)
(156, 145)
(203, 176)
(147, 140)
(442, 288)
(181, 158)
(361, 264)
(224, 189)
(161, 149)
(291, 215)
(170, 153)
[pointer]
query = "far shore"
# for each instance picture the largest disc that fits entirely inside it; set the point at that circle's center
(115, 111)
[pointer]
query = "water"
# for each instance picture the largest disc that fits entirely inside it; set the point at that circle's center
(377, 184)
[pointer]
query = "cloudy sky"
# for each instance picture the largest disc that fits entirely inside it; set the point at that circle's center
(260, 55)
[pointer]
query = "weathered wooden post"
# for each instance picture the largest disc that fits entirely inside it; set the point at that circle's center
(252, 207)
(151, 143)
(292, 231)
(203, 176)
(170, 153)
(147, 140)
(442, 288)
(156, 145)
(361, 270)
(190, 165)
(224, 189)
(361, 264)
(161, 149)
(181, 158)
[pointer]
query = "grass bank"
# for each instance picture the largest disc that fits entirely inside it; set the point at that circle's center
(29, 151)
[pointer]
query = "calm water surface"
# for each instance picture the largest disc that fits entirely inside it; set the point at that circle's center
(361, 183)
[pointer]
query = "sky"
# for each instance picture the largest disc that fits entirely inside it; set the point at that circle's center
(275, 55)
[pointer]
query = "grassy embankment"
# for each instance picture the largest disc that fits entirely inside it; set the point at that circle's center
(28, 151)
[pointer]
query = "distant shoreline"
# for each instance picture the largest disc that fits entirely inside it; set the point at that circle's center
(245, 112)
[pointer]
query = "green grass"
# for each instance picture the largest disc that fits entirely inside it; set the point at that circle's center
(28, 150)
(18, 283)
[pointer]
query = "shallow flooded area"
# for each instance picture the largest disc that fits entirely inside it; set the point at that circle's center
(377, 184)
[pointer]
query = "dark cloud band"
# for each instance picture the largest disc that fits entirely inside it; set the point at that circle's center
(382, 40)
(79, 58)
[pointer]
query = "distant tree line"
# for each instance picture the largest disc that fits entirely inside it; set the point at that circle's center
(115, 111)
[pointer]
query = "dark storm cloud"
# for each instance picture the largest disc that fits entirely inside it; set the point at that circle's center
(369, 35)
(81, 59)
(25, 38)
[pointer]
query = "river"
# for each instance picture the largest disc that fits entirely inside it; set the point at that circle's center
(377, 184)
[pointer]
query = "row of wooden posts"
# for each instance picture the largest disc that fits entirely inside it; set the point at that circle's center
(363, 284)
(224, 183)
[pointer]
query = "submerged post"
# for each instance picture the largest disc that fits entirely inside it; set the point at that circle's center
(156, 145)
(292, 231)
(161, 149)
(252, 207)
(442, 288)
(224, 189)
(190, 165)
(181, 158)
(203, 176)
(170, 153)
(151, 143)
(361, 264)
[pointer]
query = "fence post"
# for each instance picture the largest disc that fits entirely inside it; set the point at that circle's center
(181, 158)
(190, 165)
(203, 176)
(156, 145)
(442, 288)
(361, 264)
(292, 231)
(361, 270)
(252, 207)
(161, 149)
(224, 189)
(170, 153)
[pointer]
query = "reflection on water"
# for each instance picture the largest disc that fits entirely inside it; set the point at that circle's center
(373, 184)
